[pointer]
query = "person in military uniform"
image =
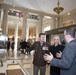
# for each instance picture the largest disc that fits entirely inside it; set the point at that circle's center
(40, 48)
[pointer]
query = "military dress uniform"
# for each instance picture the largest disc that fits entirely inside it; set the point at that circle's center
(38, 61)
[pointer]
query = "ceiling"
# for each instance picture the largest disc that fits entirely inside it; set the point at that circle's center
(44, 5)
(39, 5)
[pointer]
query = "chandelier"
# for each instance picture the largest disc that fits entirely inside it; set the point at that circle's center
(58, 9)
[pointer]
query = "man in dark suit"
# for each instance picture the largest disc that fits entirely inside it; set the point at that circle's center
(67, 63)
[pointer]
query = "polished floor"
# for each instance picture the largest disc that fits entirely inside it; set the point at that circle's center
(21, 61)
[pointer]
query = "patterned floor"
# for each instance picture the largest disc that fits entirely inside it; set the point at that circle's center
(2, 73)
(14, 72)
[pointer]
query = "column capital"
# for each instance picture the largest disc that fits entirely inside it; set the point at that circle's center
(25, 12)
(40, 15)
(5, 8)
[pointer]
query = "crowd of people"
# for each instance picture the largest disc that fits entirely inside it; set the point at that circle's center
(62, 58)
(22, 45)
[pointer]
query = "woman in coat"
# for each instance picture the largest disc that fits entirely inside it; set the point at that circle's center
(56, 48)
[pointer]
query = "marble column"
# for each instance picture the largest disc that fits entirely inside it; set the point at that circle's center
(27, 33)
(5, 21)
(16, 40)
(40, 23)
(37, 34)
(39, 27)
(24, 27)
(54, 23)
(0, 18)
(57, 22)
(0, 22)
(60, 21)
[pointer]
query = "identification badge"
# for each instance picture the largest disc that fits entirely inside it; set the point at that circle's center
(43, 48)
(46, 48)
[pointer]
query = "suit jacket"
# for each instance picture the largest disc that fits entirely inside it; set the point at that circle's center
(67, 63)
(40, 50)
